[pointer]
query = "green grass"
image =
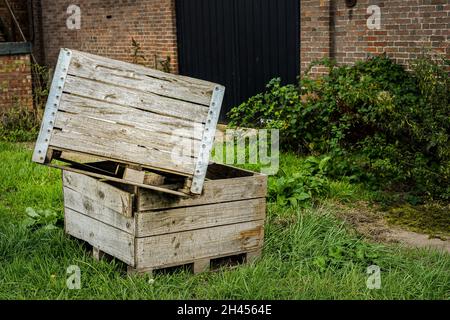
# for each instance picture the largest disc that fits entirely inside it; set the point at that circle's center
(308, 254)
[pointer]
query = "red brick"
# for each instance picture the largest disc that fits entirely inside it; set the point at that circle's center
(15, 82)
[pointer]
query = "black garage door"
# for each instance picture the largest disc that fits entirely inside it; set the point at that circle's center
(241, 44)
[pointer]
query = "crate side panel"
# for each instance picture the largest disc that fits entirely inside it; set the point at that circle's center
(185, 247)
(95, 209)
(103, 193)
(110, 240)
(214, 191)
(205, 216)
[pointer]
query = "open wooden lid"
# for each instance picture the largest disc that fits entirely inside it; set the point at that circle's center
(130, 114)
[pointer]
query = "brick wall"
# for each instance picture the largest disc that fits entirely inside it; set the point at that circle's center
(108, 26)
(408, 27)
(15, 81)
(328, 29)
(315, 32)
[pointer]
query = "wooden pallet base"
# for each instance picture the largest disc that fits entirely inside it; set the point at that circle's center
(197, 266)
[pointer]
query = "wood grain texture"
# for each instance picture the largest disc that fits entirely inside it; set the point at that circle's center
(214, 191)
(102, 193)
(108, 239)
(94, 208)
(147, 80)
(185, 247)
(111, 133)
(118, 180)
(134, 99)
(201, 265)
(198, 217)
(132, 117)
(97, 254)
(124, 143)
(134, 175)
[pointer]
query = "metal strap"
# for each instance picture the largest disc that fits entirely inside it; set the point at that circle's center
(209, 134)
(52, 106)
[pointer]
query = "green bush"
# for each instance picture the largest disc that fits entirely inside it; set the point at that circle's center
(299, 188)
(19, 124)
(381, 124)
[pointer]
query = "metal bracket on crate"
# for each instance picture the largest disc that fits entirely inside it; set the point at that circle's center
(209, 133)
(51, 108)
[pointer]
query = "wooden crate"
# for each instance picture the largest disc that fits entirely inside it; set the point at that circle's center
(150, 230)
(131, 115)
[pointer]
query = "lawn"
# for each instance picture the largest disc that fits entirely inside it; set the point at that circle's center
(308, 254)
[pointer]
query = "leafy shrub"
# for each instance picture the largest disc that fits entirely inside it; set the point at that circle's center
(382, 125)
(345, 253)
(42, 219)
(41, 89)
(300, 188)
(19, 124)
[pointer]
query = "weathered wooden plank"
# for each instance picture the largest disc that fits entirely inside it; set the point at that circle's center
(131, 117)
(118, 180)
(202, 261)
(214, 191)
(114, 132)
(154, 179)
(201, 265)
(121, 152)
(97, 254)
(187, 246)
(138, 77)
(88, 136)
(135, 99)
(134, 175)
(190, 218)
(102, 193)
(108, 239)
(96, 209)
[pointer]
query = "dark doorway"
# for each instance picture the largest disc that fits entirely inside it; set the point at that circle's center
(241, 44)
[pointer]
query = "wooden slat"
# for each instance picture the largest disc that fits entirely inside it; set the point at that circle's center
(134, 175)
(188, 246)
(214, 191)
(120, 142)
(206, 216)
(118, 180)
(102, 193)
(135, 99)
(94, 208)
(131, 117)
(108, 239)
(201, 265)
(116, 132)
(137, 77)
